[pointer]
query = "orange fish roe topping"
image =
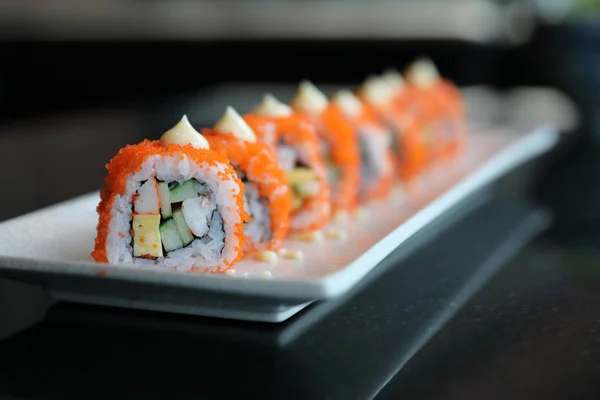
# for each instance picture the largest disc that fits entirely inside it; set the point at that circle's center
(336, 130)
(297, 132)
(262, 169)
(130, 159)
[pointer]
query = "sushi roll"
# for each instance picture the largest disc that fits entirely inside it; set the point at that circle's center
(417, 112)
(445, 90)
(339, 145)
(267, 197)
(295, 143)
(408, 141)
(404, 105)
(376, 157)
(171, 203)
(443, 105)
(423, 73)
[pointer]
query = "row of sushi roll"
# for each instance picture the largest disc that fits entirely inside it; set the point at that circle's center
(202, 200)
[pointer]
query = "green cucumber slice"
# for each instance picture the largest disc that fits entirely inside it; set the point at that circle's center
(184, 191)
(184, 231)
(165, 200)
(187, 190)
(170, 235)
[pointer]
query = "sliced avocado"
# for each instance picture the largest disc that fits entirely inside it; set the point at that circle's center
(165, 200)
(184, 231)
(170, 235)
(146, 236)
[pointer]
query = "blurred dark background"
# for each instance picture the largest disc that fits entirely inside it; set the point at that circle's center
(81, 77)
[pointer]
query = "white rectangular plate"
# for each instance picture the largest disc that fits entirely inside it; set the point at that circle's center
(52, 246)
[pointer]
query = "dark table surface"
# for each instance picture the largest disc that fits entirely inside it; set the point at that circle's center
(505, 314)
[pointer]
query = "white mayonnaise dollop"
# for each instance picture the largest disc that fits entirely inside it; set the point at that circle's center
(271, 107)
(422, 72)
(184, 133)
(233, 123)
(309, 99)
(376, 91)
(348, 103)
(394, 79)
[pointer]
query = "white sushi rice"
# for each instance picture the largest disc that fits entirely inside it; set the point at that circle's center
(287, 157)
(259, 229)
(203, 252)
(375, 142)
